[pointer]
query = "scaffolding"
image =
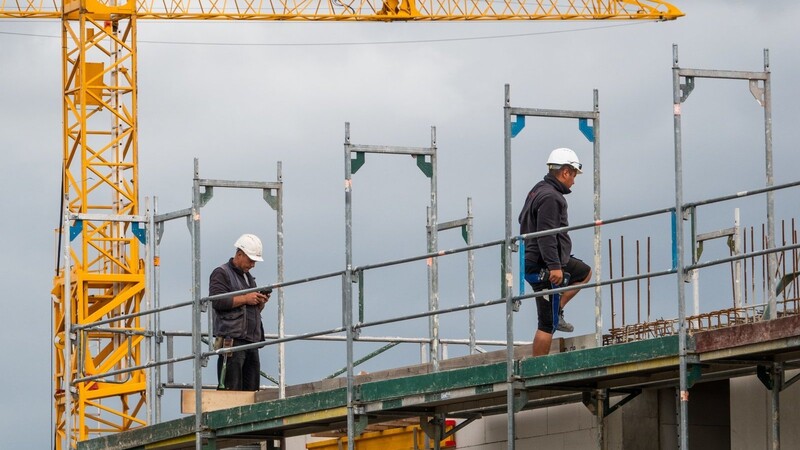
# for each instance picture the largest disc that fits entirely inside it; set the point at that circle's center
(501, 382)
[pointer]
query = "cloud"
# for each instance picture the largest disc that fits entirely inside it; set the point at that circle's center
(240, 109)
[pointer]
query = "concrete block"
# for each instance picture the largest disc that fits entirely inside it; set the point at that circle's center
(472, 433)
(613, 431)
(581, 440)
(532, 423)
(749, 406)
(496, 428)
(549, 442)
(790, 413)
(565, 418)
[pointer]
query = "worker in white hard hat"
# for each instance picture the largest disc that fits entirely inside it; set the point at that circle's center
(548, 260)
(237, 320)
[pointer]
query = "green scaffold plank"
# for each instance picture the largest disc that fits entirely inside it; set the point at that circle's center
(262, 413)
(599, 358)
(433, 382)
(139, 437)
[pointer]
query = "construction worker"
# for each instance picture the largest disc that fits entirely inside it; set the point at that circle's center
(548, 260)
(237, 320)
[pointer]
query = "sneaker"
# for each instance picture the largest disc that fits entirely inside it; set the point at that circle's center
(563, 325)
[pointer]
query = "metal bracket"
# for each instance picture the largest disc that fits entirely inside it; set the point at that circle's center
(433, 427)
(586, 129)
(520, 401)
(272, 200)
(687, 88)
(360, 424)
(608, 410)
(765, 377)
(424, 166)
(140, 232)
(517, 126)
(460, 426)
(772, 377)
(206, 195)
(75, 229)
(357, 162)
(694, 370)
(159, 231)
(589, 400)
(791, 381)
(757, 91)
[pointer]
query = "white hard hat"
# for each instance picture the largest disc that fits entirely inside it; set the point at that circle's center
(561, 156)
(250, 244)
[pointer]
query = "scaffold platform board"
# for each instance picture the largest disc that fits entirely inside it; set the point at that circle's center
(478, 385)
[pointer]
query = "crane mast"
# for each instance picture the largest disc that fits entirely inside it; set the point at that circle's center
(103, 274)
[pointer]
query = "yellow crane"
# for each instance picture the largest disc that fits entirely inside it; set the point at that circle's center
(103, 276)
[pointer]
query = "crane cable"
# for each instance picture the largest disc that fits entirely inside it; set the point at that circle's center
(349, 44)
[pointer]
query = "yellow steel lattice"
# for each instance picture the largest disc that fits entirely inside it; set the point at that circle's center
(373, 10)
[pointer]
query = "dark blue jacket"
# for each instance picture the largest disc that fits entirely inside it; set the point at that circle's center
(545, 209)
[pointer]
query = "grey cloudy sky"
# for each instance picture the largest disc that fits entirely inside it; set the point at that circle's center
(242, 108)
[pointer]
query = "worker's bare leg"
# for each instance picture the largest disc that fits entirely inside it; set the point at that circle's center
(541, 343)
(542, 339)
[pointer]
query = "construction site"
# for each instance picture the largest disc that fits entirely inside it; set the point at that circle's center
(694, 305)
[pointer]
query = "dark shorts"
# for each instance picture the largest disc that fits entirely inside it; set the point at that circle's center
(578, 271)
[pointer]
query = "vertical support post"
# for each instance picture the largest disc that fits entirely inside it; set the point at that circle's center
(777, 374)
(148, 302)
(281, 274)
(694, 273)
(601, 396)
(598, 272)
(683, 397)
(433, 263)
(772, 263)
(156, 236)
(347, 286)
(508, 277)
(197, 343)
(598, 269)
(470, 278)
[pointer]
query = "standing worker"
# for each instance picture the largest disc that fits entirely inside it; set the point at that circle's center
(548, 259)
(237, 320)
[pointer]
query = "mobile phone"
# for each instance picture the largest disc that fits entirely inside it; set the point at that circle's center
(266, 291)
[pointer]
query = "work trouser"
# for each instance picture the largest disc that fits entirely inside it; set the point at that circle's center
(242, 369)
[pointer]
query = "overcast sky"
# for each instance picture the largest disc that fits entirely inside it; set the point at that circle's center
(282, 92)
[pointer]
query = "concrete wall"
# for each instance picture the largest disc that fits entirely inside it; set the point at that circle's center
(750, 414)
(557, 428)
(722, 415)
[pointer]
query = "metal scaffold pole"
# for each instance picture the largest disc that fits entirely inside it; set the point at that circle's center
(507, 282)
(158, 228)
(433, 263)
(281, 276)
(764, 98)
(197, 342)
(683, 390)
(347, 285)
(592, 133)
(465, 225)
(681, 92)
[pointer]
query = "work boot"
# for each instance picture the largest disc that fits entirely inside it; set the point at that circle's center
(563, 325)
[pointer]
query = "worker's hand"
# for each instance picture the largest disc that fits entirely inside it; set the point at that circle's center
(556, 276)
(254, 298)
